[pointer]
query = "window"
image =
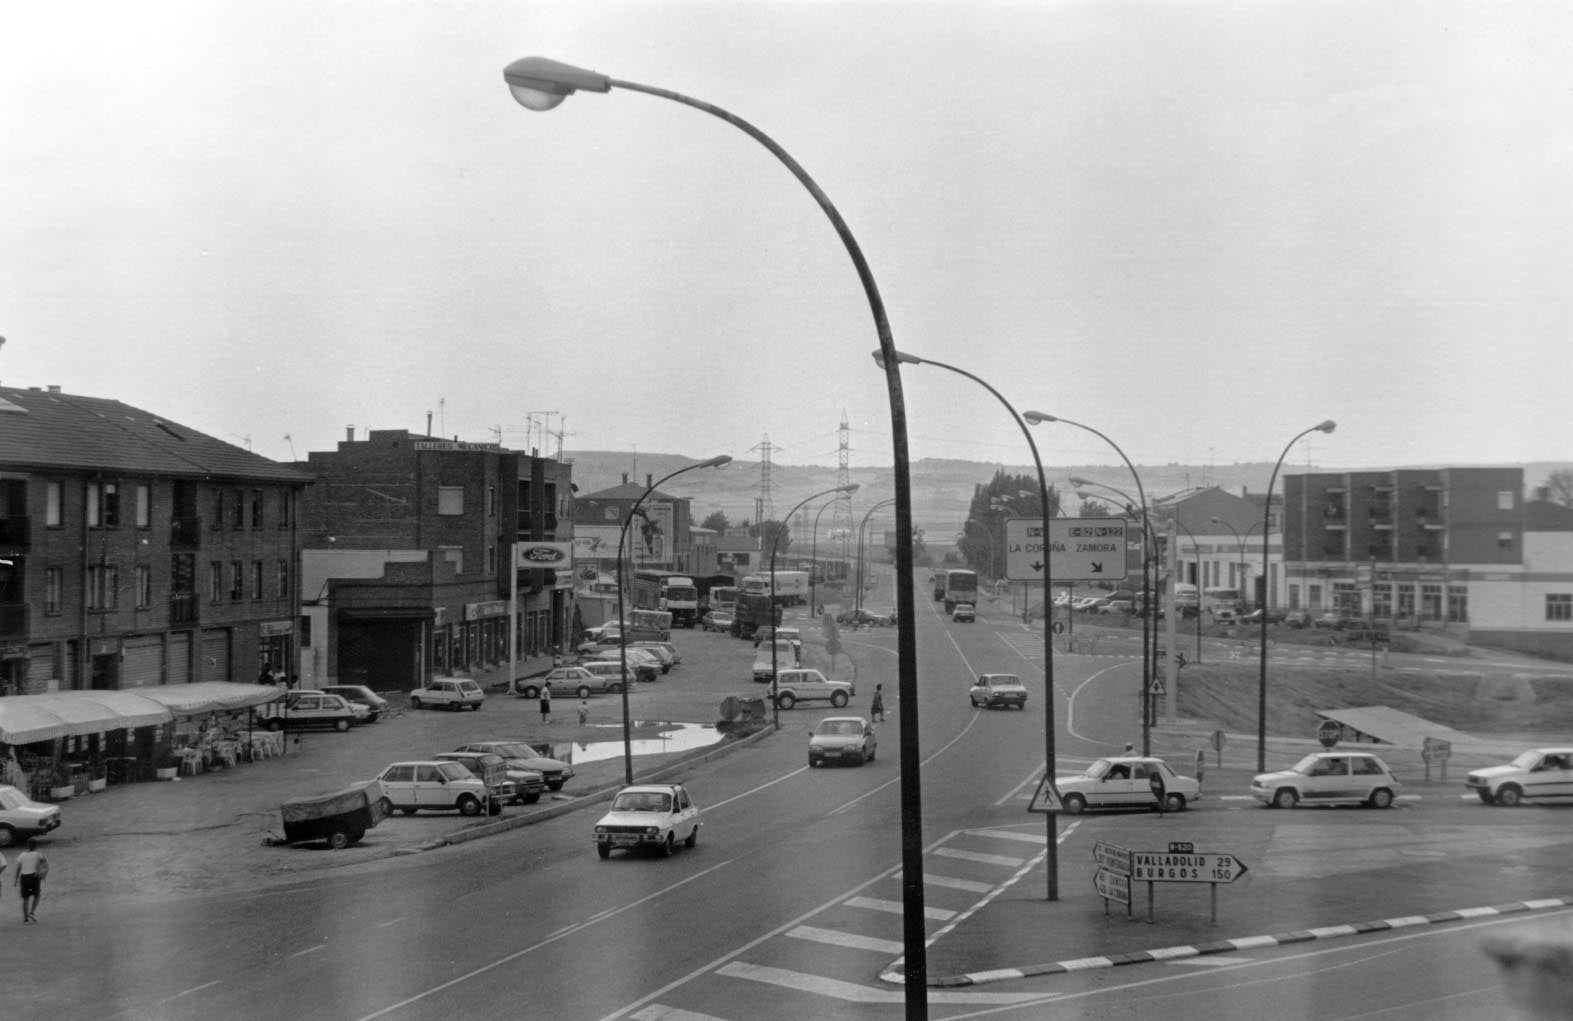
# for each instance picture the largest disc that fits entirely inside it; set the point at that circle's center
(491, 501)
(1431, 602)
(144, 506)
(491, 559)
(454, 555)
(237, 580)
(237, 510)
(52, 581)
(611, 514)
(1504, 540)
(215, 580)
(1505, 499)
(450, 500)
(1458, 604)
(1406, 601)
(52, 505)
(283, 579)
(286, 503)
(256, 508)
(1559, 605)
(103, 505)
(256, 579)
(144, 585)
(103, 580)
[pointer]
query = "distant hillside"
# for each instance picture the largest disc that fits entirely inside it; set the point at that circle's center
(941, 488)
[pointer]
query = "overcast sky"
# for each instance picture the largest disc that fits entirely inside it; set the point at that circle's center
(1198, 227)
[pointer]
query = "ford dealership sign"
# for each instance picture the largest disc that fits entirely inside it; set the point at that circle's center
(543, 554)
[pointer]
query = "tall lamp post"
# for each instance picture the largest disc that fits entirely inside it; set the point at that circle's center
(857, 601)
(1239, 545)
(1267, 516)
(1051, 819)
(775, 541)
(538, 83)
(813, 558)
(1148, 644)
(622, 619)
(1196, 548)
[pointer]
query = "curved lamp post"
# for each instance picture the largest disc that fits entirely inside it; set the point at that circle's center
(775, 541)
(1196, 548)
(1051, 819)
(857, 600)
(1148, 644)
(813, 559)
(1267, 516)
(622, 619)
(1239, 545)
(541, 84)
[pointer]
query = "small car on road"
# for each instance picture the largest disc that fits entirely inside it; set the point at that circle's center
(794, 686)
(1329, 778)
(996, 691)
(842, 739)
(1538, 775)
(964, 613)
(1125, 782)
(448, 693)
(716, 620)
(648, 817)
(21, 816)
(433, 786)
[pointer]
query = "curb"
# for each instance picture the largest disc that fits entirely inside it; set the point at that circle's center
(602, 794)
(1232, 945)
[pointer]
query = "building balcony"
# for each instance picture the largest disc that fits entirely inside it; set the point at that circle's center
(183, 608)
(185, 532)
(13, 620)
(15, 534)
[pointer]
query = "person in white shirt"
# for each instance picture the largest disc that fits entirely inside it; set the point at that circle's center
(30, 871)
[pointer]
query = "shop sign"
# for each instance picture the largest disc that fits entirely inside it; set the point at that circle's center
(275, 628)
(490, 608)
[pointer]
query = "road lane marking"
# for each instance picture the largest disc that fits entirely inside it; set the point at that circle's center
(656, 1012)
(968, 885)
(836, 937)
(895, 908)
(308, 950)
(1009, 861)
(1031, 838)
(851, 992)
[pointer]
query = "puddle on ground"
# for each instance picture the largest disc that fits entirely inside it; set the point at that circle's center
(681, 737)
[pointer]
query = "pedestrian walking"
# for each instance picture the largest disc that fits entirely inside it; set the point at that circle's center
(1155, 781)
(876, 709)
(546, 703)
(31, 868)
(584, 712)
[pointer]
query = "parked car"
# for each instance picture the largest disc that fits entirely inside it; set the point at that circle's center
(1256, 615)
(1086, 603)
(573, 681)
(432, 785)
(1225, 615)
(779, 654)
(648, 817)
(666, 650)
(1125, 782)
(21, 816)
(1297, 618)
(359, 694)
(841, 739)
(519, 755)
(645, 666)
(1330, 620)
(716, 620)
(1329, 778)
(448, 693)
(794, 686)
(1117, 606)
(527, 784)
(964, 613)
(491, 770)
(303, 709)
(1538, 775)
(998, 690)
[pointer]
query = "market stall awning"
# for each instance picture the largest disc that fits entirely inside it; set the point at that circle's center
(211, 696)
(25, 719)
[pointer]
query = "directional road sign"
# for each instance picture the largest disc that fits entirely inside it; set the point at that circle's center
(1078, 549)
(1112, 857)
(1112, 886)
(1195, 867)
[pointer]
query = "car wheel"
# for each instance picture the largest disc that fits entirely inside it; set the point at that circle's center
(1175, 803)
(339, 839)
(384, 808)
(668, 846)
(7, 836)
(616, 688)
(785, 700)
(557, 786)
(530, 799)
(341, 725)
(415, 703)
(475, 708)
(275, 725)
(583, 692)
(693, 837)
(603, 850)
(469, 804)
(530, 691)
(838, 699)
(1075, 804)
(1285, 797)
(1381, 798)
(1509, 796)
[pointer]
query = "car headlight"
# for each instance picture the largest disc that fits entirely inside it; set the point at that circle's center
(600, 830)
(650, 831)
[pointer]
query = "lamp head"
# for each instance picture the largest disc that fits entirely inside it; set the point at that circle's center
(851, 487)
(1077, 480)
(901, 358)
(1327, 426)
(715, 462)
(541, 84)
(1038, 418)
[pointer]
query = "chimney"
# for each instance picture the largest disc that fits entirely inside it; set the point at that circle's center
(625, 478)
(54, 388)
(1543, 494)
(349, 434)
(649, 481)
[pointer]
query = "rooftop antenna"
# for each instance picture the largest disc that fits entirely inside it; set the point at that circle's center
(442, 415)
(244, 439)
(291, 443)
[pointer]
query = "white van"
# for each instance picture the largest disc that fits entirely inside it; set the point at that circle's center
(785, 655)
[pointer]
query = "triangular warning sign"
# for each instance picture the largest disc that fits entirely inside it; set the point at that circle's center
(1157, 686)
(1046, 798)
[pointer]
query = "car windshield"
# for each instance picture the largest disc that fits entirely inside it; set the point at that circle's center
(453, 771)
(512, 750)
(1305, 765)
(847, 727)
(1098, 768)
(642, 801)
(1526, 760)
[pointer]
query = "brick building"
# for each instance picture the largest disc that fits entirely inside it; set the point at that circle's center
(408, 544)
(135, 551)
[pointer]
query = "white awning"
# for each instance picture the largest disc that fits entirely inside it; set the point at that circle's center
(211, 696)
(25, 719)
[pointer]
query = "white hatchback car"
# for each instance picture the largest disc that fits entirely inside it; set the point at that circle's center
(1329, 778)
(649, 816)
(448, 693)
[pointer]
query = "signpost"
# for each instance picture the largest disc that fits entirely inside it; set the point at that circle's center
(1046, 798)
(1434, 749)
(1181, 863)
(1113, 878)
(1329, 731)
(1077, 549)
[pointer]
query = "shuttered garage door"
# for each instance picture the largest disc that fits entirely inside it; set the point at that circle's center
(179, 658)
(41, 668)
(142, 662)
(215, 656)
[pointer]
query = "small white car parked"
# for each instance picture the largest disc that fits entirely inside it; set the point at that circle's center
(448, 693)
(648, 816)
(21, 816)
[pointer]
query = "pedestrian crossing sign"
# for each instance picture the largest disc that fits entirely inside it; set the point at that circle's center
(1046, 798)
(1157, 686)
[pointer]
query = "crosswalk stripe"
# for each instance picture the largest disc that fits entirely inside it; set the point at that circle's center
(851, 992)
(835, 937)
(1030, 838)
(986, 859)
(969, 885)
(656, 1012)
(895, 907)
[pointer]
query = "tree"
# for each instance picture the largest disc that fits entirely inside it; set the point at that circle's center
(716, 522)
(1004, 496)
(1560, 484)
(767, 534)
(1096, 509)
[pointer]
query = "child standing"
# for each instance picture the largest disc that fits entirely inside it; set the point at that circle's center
(876, 709)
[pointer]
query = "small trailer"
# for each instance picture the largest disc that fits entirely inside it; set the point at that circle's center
(340, 818)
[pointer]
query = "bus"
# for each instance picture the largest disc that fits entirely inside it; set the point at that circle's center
(960, 587)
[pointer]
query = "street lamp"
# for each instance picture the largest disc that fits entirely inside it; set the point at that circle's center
(1267, 514)
(1051, 819)
(1196, 548)
(1149, 557)
(541, 84)
(857, 599)
(622, 620)
(775, 541)
(1239, 545)
(813, 559)
(1148, 643)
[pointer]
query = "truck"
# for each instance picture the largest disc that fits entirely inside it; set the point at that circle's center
(791, 587)
(649, 625)
(753, 611)
(961, 586)
(717, 592)
(675, 593)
